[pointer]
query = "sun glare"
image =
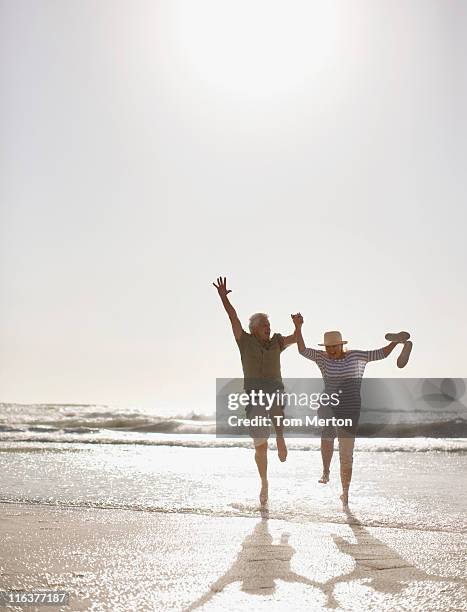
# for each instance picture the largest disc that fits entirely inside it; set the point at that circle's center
(257, 47)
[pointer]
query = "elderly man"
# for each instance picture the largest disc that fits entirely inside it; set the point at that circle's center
(260, 354)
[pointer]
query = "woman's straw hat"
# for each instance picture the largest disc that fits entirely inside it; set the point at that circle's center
(332, 337)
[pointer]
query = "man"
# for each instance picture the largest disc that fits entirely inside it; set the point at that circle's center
(343, 371)
(260, 354)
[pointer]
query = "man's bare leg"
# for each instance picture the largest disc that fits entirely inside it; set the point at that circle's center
(261, 458)
(277, 411)
(327, 450)
(281, 448)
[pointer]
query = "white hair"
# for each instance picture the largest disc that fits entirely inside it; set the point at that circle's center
(255, 319)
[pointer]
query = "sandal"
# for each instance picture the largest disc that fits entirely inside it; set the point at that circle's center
(405, 354)
(402, 336)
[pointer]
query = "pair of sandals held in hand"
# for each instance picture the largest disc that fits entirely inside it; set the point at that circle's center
(402, 337)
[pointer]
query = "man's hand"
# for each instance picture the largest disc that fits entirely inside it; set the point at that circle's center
(222, 287)
(234, 320)
(297, 320)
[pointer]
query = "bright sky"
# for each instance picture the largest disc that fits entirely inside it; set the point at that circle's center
(313, 152)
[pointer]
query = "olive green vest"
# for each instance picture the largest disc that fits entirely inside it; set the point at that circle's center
(261, 362)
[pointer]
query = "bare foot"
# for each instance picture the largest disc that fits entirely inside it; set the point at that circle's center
(324, 478)
(263, 495)
(345, 500)
(281, 449)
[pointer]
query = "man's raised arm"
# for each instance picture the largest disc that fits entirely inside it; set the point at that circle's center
(298, 322)
(309, 353)
(288, 340)
(230, 310)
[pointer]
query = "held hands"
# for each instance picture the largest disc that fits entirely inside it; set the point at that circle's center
(297, 320)
(222, 287)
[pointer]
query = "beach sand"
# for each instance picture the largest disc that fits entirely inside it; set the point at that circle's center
(121, 560)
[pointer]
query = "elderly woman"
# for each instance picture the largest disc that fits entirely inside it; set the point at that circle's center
(345, 369)
(260, 354)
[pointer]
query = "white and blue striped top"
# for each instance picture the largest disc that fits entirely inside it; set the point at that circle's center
(345, 373)
(350, 366)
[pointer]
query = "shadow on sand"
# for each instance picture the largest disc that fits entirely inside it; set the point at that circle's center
(258, 565)
(261, 562)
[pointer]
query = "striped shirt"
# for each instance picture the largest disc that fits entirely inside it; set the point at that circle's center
(345, 374)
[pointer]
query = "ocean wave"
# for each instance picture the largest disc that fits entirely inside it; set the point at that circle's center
(90, 417)
(100, 424)
(202, 424)
(418, 445)
(148, 425)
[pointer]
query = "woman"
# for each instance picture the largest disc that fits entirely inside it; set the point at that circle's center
(344, 369)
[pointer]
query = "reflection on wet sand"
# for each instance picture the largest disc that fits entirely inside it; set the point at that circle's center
(261, 562)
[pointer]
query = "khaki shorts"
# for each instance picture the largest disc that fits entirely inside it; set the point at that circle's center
(260, 434)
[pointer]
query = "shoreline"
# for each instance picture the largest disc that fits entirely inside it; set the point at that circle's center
(341, 518)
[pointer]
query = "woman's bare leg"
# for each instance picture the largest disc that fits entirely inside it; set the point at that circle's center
(346, 446)
(327, 450)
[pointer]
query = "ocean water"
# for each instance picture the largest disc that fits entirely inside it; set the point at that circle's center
(397, 489)
(93, 456)
(100, 424)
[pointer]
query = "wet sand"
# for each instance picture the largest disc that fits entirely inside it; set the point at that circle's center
(123, 560)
